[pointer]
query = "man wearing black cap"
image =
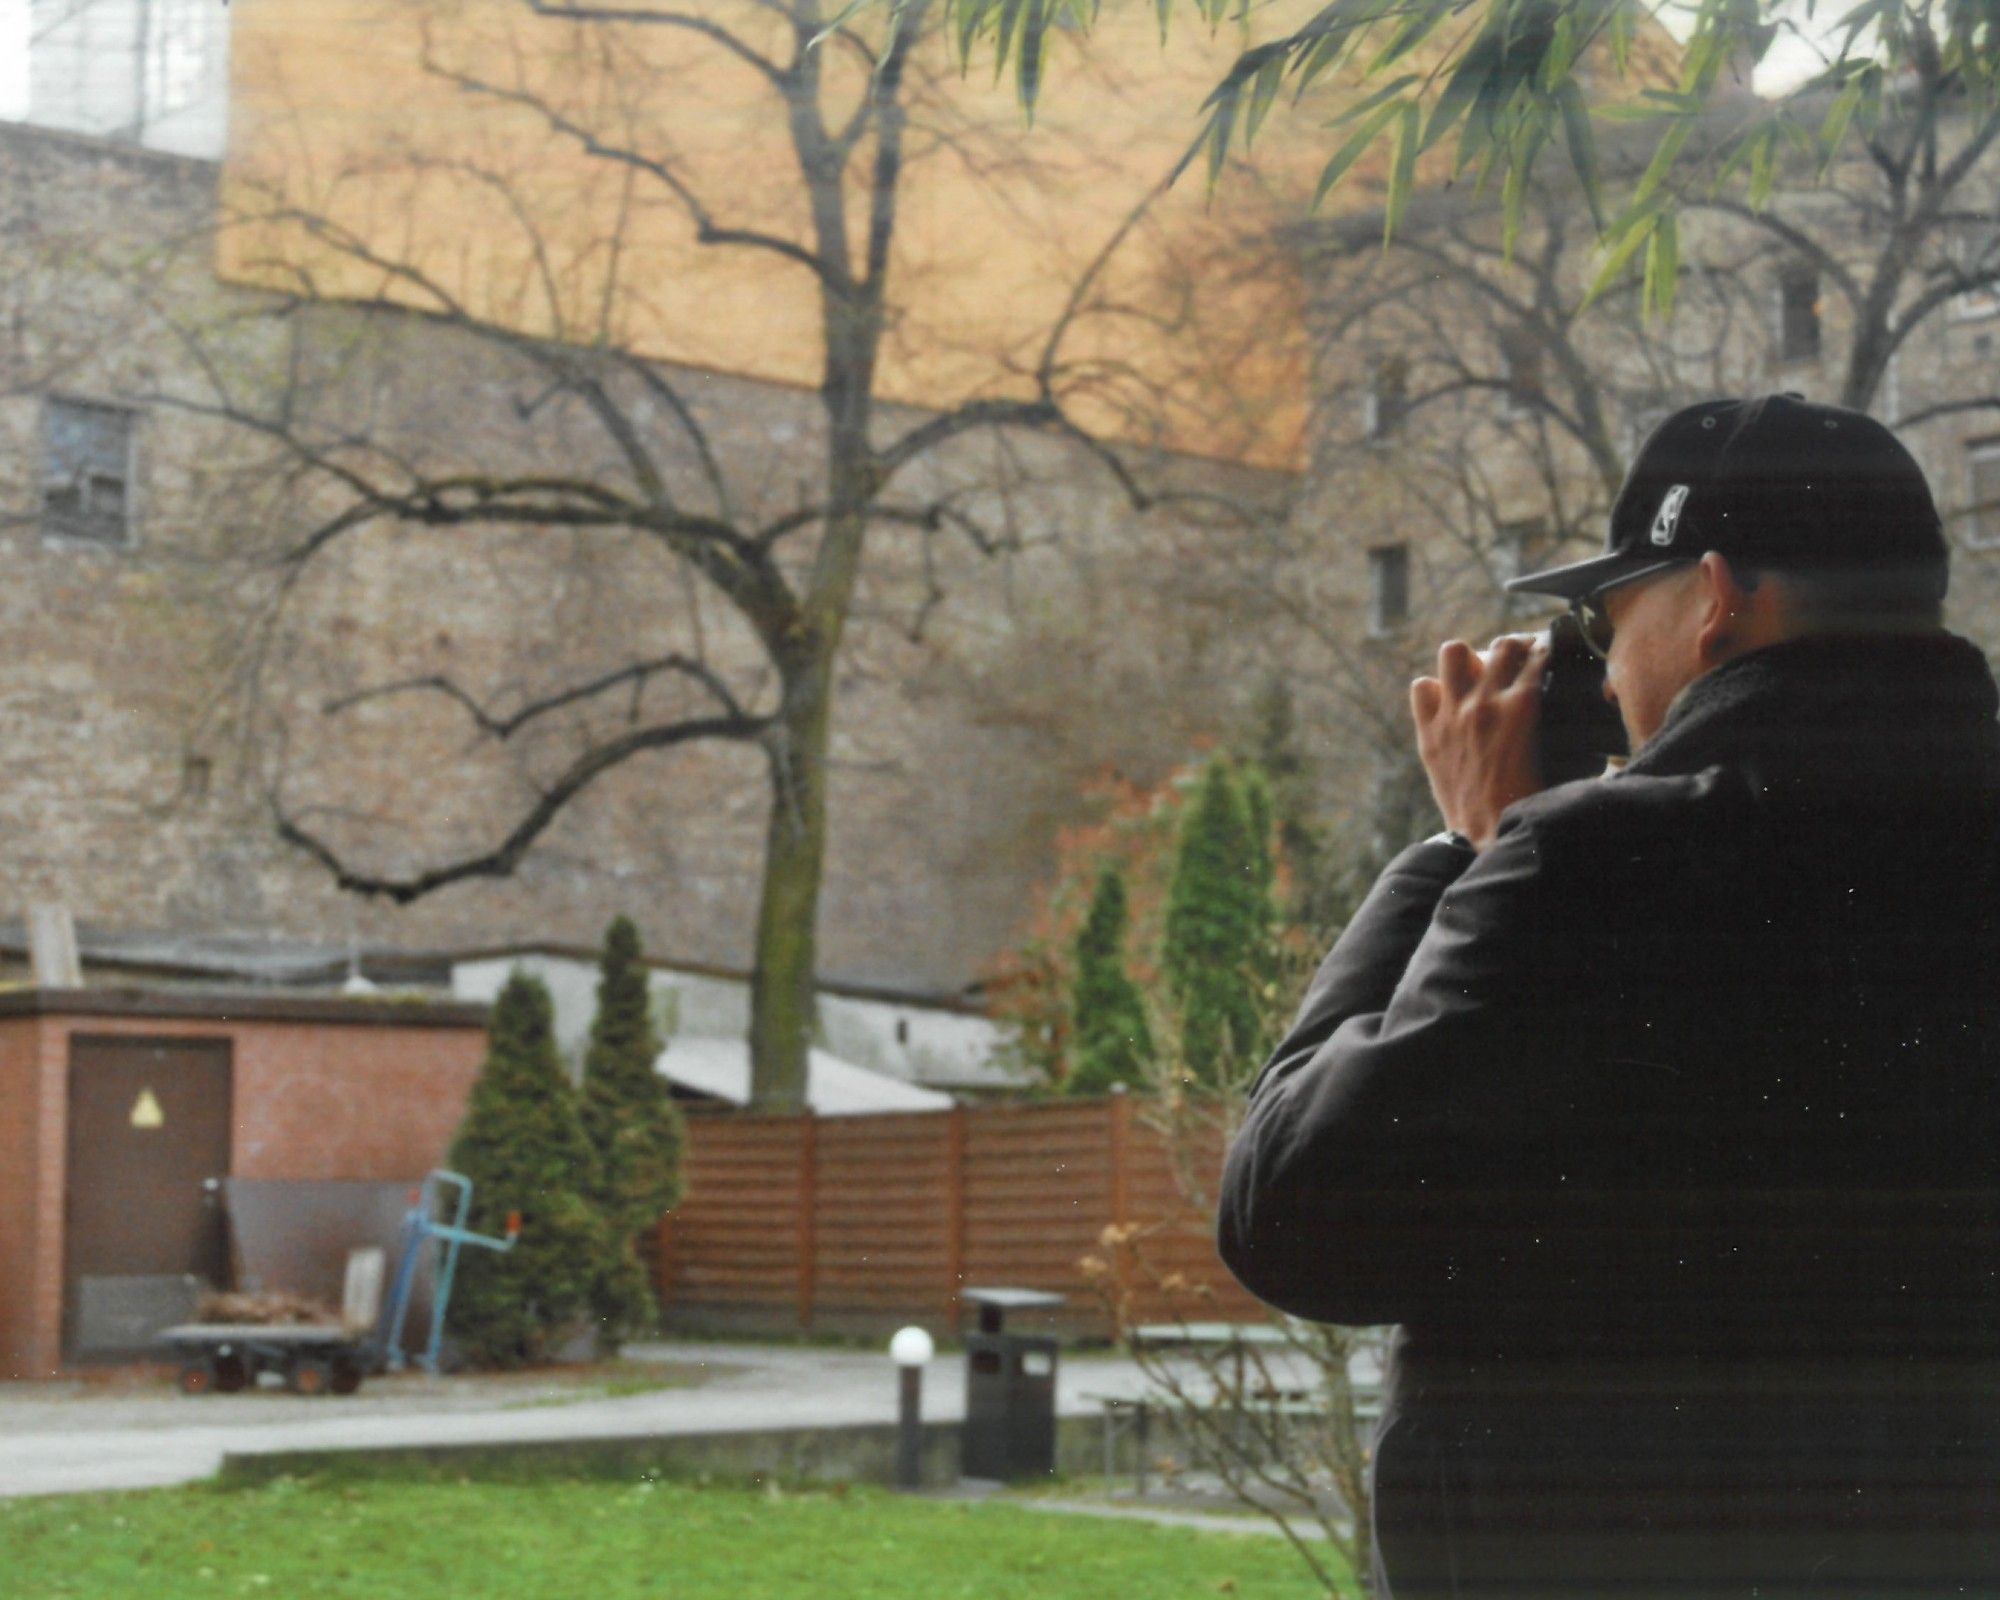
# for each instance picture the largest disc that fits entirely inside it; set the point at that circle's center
(1662, 1111)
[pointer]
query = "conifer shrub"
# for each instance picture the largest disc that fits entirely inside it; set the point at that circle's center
(636, 1130)
(1113, 1044)
(523, 1146)
(1217, 954)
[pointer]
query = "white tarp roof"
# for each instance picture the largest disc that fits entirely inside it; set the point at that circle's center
(834, 1088)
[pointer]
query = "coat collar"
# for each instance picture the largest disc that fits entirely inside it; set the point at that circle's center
(1919, 703)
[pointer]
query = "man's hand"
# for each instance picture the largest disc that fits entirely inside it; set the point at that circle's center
(1476, 730)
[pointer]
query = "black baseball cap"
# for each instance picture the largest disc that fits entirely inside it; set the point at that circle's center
(1775, 484)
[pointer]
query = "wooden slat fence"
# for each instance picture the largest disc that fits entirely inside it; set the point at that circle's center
(861, 1223)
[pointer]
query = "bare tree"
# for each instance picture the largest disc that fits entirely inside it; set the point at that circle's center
(564, 436)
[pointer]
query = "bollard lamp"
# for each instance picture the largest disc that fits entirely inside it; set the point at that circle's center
(910, 1349)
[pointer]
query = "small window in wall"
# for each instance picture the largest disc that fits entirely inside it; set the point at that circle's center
(87, 471)
(1521, 352)
(1388, 588)
(902, 1030)
(1798, 313)
(1983, 494)
(1388, 396)
(1976, 257)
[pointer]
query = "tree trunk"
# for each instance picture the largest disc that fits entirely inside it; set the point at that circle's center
(782, 989)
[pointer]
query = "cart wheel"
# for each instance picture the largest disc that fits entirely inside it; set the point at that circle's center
(346, 1375)
(310, 1375)
(232, 1374)
(197, 1377)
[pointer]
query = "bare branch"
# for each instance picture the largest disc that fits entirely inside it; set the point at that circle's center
(504, 858)
(709, 29)
(638, 674)
(707, 230)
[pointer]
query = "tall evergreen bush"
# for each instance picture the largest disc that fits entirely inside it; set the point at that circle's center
(523, 1146)
(636, 1130)
(1113, 1044)
(1218, 947)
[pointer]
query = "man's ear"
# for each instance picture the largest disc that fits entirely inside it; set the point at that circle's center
(1723, 611)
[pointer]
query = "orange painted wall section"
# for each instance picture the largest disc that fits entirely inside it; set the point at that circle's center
(337, 116)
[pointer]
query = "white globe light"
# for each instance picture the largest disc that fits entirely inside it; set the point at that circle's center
(911, 1347)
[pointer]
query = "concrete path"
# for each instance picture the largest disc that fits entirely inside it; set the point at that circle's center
(65, 1438)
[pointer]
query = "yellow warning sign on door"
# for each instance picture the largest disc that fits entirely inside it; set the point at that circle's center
(146, 1112)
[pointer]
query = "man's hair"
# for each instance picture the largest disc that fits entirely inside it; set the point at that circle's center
(1898, 599)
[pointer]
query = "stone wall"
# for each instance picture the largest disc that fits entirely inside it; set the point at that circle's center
(150, 707)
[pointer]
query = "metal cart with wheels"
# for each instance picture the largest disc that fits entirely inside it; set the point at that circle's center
(330, 1358)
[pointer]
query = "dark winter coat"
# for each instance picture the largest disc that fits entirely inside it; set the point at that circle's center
(1668, 1129)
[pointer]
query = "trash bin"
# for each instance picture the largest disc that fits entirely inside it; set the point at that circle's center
(1010, 1390)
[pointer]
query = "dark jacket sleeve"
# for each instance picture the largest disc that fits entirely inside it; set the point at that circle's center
(1379, 1172)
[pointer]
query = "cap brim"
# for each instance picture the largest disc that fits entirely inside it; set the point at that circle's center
(1580, 577)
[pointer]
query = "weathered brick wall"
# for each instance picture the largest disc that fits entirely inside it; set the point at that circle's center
(312, 1099)
(957, 750)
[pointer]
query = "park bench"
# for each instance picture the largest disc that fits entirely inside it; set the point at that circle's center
(1264, 1398)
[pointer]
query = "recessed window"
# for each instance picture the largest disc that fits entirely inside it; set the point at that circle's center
(1975, 256)
(1798, 313)
(87, 471)
(1983, 497)
(1521, 353)
(902, 1030)
(1388, 588)
(1388, 396)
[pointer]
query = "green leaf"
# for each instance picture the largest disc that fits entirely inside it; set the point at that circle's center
(1219, 128)
(1582, 147)
(1461, 90)
(1361, 108)
(1663, 160)
(1003, 48)
(1620, 33)
(1418, 26)
(1561, 53)
(1263, 90)
(1514, 191)
(1403, 173)
(1662, 268)
(1483, 114)
(1838, 115)
(1034, 51)
(1763, 171)
(846, 14)
(1350, 152)
(1322, 53)
(1632, 232)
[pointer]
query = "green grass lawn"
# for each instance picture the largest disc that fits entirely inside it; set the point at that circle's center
(597, 1540)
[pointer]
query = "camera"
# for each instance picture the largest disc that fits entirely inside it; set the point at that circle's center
(1579, 730)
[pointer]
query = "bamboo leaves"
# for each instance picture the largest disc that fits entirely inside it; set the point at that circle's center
(1514, 78)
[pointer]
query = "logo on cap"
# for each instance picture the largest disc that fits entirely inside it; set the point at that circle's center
(1668, 517)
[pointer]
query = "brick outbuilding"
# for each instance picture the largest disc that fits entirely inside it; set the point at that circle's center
(121, 1112)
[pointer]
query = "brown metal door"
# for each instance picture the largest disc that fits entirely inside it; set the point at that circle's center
(149, 1123)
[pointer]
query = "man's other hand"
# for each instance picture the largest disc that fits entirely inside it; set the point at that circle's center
(1476, 730)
